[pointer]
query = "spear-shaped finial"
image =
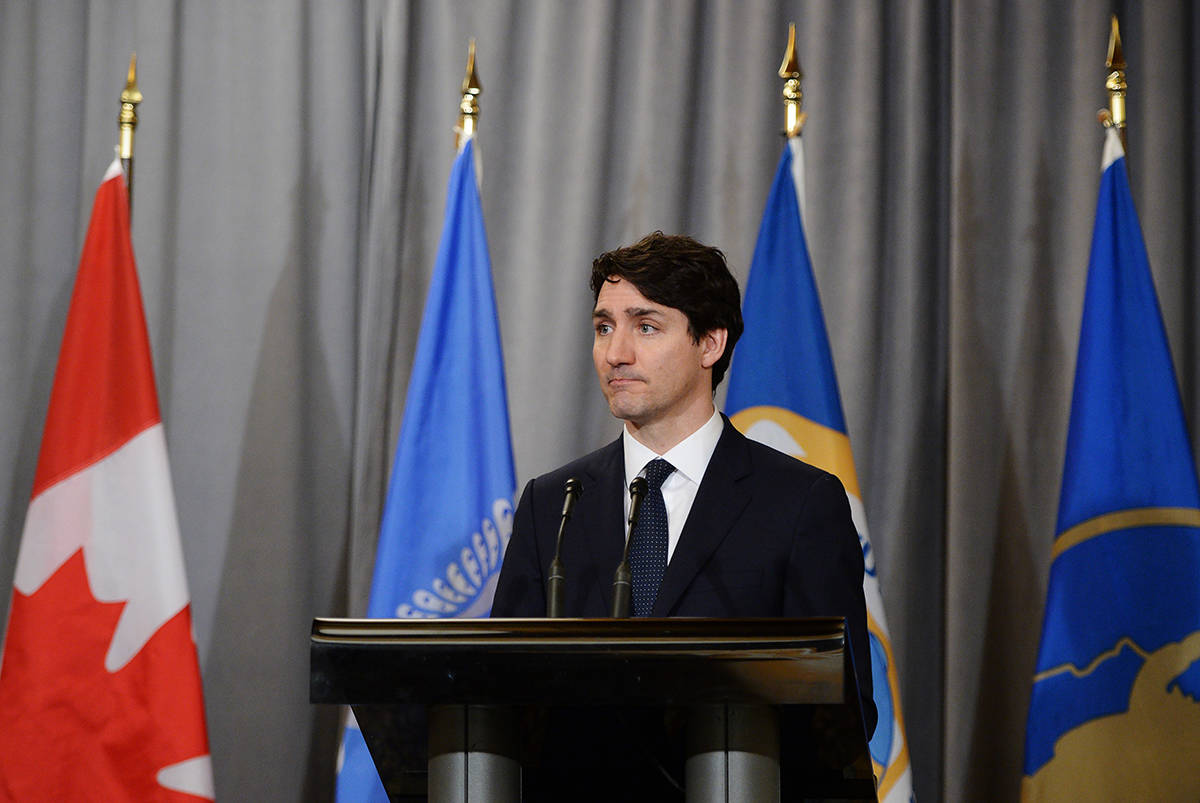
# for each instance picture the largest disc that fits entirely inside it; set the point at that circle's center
(468, 109)
(1114, 115)
(793, 95)
(131, 96)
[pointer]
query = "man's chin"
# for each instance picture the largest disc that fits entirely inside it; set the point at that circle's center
(625, 412)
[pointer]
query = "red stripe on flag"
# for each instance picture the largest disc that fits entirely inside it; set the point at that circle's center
(103, 390)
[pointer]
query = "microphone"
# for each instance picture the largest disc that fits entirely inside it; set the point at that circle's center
(555, 582)
(622, 586)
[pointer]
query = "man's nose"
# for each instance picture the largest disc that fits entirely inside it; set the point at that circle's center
(620, 348)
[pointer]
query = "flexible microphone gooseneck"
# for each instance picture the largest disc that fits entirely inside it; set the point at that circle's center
(622, 586)
(555, 583)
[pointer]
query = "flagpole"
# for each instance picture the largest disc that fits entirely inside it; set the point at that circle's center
(442, 535)
(1114, 115)
(783, 378)
(793, 93)
(468, 108)
(131, 96)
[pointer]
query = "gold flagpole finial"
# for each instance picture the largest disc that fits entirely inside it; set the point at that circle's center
(1114, 115)
(793, 94)
(468, 108)
(131, 96)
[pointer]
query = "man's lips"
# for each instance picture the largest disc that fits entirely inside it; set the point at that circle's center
(618, 381)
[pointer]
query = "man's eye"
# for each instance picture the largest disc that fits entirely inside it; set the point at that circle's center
(603, 328)
(646, 328)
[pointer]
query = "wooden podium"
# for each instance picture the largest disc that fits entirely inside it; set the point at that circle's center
(583, 709)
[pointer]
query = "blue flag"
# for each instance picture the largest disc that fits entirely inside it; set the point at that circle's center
(1115, 709)
(783, 392)
(448, 514)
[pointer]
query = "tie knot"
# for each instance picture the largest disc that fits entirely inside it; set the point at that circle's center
(657, 471)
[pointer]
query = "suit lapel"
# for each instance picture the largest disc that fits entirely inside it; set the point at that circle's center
(717, 508)
(601, 509)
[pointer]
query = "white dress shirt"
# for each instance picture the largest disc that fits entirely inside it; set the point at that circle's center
(690, 458)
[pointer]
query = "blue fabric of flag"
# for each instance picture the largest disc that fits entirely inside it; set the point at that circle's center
(448, 513)
(1127, 445)
(783, 359)
(1125, 580)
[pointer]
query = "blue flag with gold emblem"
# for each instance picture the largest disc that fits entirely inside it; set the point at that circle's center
(1115, 710)
(448, 514)
(783, 392)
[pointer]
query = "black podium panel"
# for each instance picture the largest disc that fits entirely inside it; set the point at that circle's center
(600, 705)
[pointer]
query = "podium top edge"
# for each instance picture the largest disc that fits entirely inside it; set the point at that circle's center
(821, 633)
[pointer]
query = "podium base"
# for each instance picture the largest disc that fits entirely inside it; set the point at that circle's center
(470, 755)
(732, 754)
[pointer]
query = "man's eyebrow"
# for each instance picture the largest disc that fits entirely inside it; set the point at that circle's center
(630, 312)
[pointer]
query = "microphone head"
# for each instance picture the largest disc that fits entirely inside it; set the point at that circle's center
(573, 487)
(637, 492)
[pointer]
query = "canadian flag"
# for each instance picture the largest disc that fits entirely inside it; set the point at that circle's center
(100, 694)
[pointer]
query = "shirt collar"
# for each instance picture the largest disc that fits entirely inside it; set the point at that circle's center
(690, 456)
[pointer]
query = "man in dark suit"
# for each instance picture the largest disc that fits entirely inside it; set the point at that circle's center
(736, 528)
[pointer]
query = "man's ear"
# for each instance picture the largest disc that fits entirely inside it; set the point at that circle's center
(712, 346)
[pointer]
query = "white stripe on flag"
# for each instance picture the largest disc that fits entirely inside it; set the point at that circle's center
(121, 511)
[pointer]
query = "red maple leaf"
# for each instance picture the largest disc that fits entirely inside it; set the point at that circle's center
(72, 730)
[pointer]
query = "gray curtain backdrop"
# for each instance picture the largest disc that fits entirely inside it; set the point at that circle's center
(291, 167)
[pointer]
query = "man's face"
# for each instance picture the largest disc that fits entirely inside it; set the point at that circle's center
(651, 370)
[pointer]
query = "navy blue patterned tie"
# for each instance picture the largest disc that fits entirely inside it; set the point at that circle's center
(648, 552)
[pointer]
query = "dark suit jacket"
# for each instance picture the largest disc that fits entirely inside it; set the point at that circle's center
(767, 535)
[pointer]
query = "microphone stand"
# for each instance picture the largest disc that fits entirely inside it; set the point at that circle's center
(622, 586)
(555, 582)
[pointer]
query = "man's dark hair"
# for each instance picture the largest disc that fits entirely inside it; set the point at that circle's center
(677, 271)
